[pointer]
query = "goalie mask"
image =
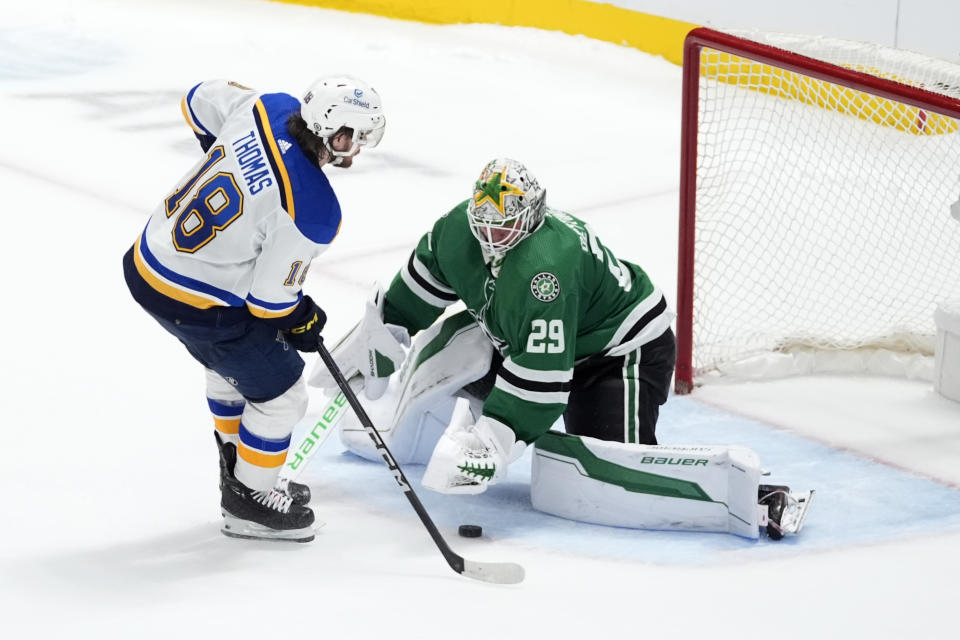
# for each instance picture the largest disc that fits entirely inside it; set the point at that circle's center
(508, 205)
(343, 101)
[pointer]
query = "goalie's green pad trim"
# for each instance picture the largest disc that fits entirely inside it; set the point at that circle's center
(630, 479)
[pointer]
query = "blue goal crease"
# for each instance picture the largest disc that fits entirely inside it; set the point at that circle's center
(858, 501)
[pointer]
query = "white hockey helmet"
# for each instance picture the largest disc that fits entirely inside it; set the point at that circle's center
(334, 102)
(508, 204)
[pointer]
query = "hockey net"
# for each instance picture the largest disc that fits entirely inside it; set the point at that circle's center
(816, 231)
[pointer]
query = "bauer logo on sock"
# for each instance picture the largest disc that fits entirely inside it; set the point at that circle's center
(545, 287)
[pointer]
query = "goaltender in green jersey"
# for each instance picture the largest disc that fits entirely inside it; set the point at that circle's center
(555, 326)
(577, 332)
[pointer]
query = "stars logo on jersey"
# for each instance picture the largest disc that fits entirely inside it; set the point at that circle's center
(545, 287)
(493, 189)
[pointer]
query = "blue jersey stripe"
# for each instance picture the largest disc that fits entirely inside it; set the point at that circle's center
(224, 410)
(275, 306)
(262, 121)
(184, 281)
(305, 192)
(263, 444)
(193, 114)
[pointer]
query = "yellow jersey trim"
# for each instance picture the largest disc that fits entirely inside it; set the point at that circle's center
(277, 159)
(265, 313)
(167, 289)
(186, 116)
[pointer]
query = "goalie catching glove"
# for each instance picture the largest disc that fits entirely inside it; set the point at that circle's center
(470, 456)
(371, 349)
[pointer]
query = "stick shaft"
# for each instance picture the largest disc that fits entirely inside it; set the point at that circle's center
(455, 561)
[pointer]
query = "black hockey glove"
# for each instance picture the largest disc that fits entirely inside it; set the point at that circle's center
(309, 320)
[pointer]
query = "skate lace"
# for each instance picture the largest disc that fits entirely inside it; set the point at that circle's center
(274, 499)
(767, 496)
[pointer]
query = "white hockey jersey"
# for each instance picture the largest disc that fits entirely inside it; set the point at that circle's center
(242, 226)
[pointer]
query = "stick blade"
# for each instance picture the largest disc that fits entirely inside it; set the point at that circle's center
(495, 572)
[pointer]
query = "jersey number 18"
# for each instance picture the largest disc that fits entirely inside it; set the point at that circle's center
(217, 204)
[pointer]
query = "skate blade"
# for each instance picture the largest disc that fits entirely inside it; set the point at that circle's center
(795, 514)
(234, 527)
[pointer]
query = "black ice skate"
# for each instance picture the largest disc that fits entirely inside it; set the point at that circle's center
(786, 511)
(267, 515)
(228, 458)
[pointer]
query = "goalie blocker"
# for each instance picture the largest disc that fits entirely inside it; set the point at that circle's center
(690, 488)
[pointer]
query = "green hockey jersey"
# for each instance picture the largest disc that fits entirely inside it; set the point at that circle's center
(560, 297)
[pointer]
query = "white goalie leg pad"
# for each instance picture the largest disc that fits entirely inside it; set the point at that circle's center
(419, 404)
(418, 434)
(265, 436)
(371, 348)
(685, 488)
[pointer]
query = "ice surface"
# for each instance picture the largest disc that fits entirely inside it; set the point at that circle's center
(109, 525)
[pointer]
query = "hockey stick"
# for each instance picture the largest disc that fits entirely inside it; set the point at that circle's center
(311, 441)
(497, 572)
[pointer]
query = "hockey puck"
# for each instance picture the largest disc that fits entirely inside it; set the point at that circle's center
(470, 531)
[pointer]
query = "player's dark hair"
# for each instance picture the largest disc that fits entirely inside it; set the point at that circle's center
(311, 145)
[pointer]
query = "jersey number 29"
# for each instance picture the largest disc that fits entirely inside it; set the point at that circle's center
(545, 337)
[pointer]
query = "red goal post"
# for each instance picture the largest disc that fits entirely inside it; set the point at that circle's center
(817, 178)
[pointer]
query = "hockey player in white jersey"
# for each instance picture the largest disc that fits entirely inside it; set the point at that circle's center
(222, 261)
